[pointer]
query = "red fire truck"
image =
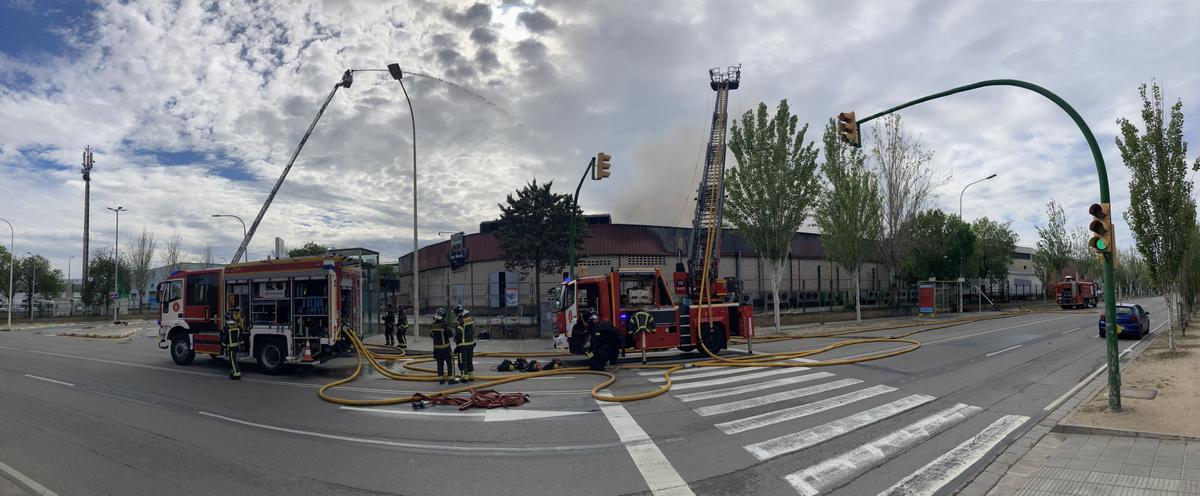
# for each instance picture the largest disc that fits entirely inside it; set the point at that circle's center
(1070, 293)
(290, 308)
(617, 295)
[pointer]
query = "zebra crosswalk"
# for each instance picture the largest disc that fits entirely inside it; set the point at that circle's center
(782, 411)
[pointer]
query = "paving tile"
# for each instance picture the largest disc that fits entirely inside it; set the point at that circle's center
(1109, 467)
(1056, 462)
(1191, 474)
(1103, 478)
(1081, 463)
(1168, 461)
(1140, 459)
(1131, 469)
(1166, 473)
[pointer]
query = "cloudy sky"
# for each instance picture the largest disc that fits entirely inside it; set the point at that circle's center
(193, 107)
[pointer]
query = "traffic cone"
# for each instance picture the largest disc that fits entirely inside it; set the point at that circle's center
(307, 352)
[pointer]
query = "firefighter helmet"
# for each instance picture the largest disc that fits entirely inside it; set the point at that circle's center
(440, 313)
(458, 309)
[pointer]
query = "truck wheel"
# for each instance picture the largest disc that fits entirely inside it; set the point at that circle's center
(272, 358)
(181, 351)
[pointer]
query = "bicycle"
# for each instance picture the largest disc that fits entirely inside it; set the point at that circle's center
(507, 328)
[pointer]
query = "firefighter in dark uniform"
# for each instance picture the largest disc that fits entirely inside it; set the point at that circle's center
(604, 343)
(640, 324)
(401, 328)
(231, 336)
(464, 337)
(389, 329)
(441, 334)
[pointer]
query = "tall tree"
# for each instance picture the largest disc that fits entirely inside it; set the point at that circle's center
(1083, 258)
(906, 182)
(35, 278)
(995, 244)
(310, 248)
(206, 254)
(100, 278)
(849, 212)
(534, 232)
(1054, 247)
(1162, 213)
(172, 251)
(5, 260)
(141, 256)
(774, 186)
(938, 241)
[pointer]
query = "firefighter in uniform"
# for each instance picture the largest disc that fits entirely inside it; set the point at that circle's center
(464, 337)
(441, 334)
(603, 343)
(389, 322)
(640, 324)
(231, 341)
(401, 328)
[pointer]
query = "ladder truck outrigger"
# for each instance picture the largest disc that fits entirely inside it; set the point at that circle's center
(694, 307)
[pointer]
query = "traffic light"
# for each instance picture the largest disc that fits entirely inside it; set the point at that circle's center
(1101, 227)
(848, 127)
(602, 165)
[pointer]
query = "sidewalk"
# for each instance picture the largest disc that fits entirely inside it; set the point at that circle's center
(1151, 447)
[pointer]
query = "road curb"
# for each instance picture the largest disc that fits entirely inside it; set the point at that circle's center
(1106, 431)
(122, 335)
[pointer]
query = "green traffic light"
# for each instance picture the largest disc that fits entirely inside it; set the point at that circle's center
(1101, 245)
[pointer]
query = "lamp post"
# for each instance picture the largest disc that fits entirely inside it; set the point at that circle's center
(398, 75)
(32, 286)
(12, 264)
(117, 262)
(239, 220)
(70, 300)
(960, 260)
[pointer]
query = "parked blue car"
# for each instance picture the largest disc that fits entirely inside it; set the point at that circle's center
(1133, 321)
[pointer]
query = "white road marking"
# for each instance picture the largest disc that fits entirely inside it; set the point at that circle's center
(683, 372)
(1054, 404)
(795, 412)
(471, 448)
(928, 479)
(746, 388)
(737, 378)
(1010, 348)
(757, 401)
(49, 380)
(835, 471)
(1072, 330)
(29, 484)
(660, 476)
(797, 441)
(682, 375)
(493, 415)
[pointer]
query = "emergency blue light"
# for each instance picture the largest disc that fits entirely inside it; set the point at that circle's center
(624, 316)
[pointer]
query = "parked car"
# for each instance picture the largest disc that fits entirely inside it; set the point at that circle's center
(1133, 321)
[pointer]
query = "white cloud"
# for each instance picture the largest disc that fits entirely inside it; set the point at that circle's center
(237, 84)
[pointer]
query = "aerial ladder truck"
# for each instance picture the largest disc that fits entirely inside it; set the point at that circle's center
(692, 308)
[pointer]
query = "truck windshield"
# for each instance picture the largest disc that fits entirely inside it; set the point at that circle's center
(566, 296)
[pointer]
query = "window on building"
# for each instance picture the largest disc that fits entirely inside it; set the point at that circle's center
(646, 260)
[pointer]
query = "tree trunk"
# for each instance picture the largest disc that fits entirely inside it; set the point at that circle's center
(857, 300)
(537, 296)
(776, 275)
(1172, 316)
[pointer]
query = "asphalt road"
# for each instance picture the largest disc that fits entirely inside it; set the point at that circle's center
(85, 416)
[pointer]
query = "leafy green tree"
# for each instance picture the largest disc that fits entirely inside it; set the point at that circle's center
(1083, 258)
(100, 278)
(534, 231)
(309, 249)
(996, 242)
(34, 276)
(1162, 213)
(939, 241)
(1054, 246)
(5, 260)
(388, 272)
(774, 186)
(849, 212)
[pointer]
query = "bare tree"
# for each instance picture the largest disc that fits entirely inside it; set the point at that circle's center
(906, 182)
(172, 254)
(141, 257)
(206, 255)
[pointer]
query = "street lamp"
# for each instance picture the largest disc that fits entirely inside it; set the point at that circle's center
(117, 261)
(239, 220)
(32, 286)
(12, 263)
(960, 261)
(70, 300)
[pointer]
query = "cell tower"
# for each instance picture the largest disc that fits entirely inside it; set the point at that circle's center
(86, 170)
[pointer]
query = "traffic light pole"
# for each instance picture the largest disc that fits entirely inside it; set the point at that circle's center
(575, 206)
(1114, 372)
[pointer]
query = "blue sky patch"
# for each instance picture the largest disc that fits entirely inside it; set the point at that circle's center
(31, 29)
